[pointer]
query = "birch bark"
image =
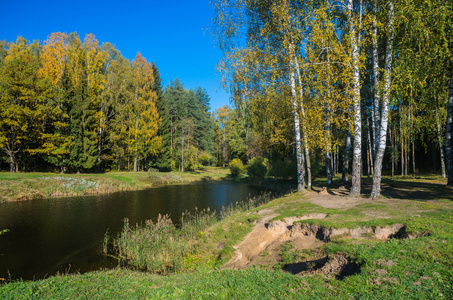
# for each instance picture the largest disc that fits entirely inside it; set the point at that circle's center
(299, 153)
(304, 127)
(292, 81)
(376, 97)
(439, 137)
(357, 149)
(376, 189)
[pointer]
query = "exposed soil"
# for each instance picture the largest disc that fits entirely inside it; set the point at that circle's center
(262, 246)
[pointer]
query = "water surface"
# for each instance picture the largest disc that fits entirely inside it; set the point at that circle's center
(64, 235)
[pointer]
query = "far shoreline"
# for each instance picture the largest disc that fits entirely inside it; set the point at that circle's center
(25, 186)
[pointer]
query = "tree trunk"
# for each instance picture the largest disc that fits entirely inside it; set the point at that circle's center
(12, 164)
(336, 161)
(402, 148)
(182, 154)
(412, 139)
(171, 140)
(392, 140)
(328, 146)
(376, 97)
(345, 177)
(224, 151)
(406, 155)
(379, 156)
(299, 153)
(449, 132)
(304, 127)
(129, 152)
(441, 148)
(413, 159)
(357, 149)
(368, 159)
(100, 137)
(136, 162)
(370, 151)
(292, 81)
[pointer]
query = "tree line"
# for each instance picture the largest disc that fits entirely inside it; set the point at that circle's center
(352, 85)
(78, 106)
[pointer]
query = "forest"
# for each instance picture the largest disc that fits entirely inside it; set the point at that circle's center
(78, 107)
(317, 88)
(354, 86)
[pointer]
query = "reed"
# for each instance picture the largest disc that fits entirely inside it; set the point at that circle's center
(251, 203)
(163, 247)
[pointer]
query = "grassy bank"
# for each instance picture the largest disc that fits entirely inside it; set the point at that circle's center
(27, 186)
(414, 263)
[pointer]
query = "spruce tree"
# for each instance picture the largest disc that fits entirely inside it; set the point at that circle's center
(206, 122)
(175, 100)
(163, 160)
(83, 153)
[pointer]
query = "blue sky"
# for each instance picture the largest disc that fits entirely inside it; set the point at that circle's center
(172, 33)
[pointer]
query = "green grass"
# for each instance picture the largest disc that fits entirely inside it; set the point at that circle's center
(419, 268)
(27, 186)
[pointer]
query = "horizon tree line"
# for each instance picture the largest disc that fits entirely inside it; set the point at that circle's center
(78, 106)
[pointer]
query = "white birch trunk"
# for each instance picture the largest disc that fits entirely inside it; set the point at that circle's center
(299, 153)
(439, 137)
(376, 189)
(328, 146)
(376, 97)
(357, 148)
(304, 128)
(292, 81)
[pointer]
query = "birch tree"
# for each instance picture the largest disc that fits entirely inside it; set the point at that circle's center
(269, 32)
(355, 66)
(382, 123)
(145, 117)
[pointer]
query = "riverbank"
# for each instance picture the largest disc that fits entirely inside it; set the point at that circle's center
(317, 245)
(28, 186)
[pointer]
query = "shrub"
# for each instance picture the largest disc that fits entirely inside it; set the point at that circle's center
(205, 158)
(286, 169)
(258, 167)
(192, 162)
(236, 167)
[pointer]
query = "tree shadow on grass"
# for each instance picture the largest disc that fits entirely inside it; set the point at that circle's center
(410, 190)
(419, 189)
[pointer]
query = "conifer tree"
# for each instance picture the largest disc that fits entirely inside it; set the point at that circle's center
(83, 153)
(163, 160)
(205, 126)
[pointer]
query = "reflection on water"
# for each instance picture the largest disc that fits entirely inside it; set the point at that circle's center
(66, 234)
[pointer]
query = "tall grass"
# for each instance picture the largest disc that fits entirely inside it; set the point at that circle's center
(163, 247)
(251, 203)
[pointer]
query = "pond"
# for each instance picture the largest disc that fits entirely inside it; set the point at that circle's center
(65, 235)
